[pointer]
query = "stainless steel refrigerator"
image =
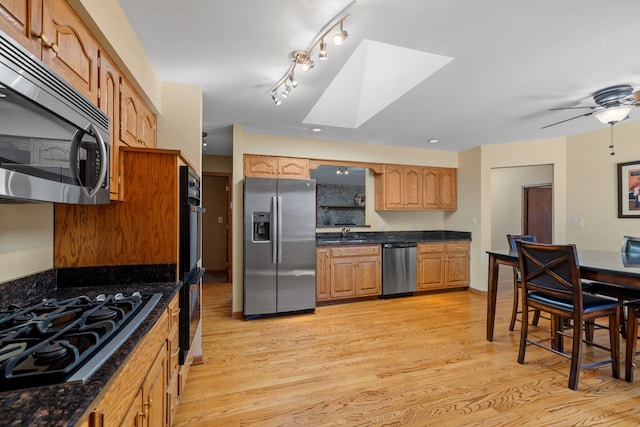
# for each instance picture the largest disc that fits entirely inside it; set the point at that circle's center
(279, 246)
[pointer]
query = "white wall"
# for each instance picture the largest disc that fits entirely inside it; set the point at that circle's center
(593, 187)
(26, 239)
(179, 126)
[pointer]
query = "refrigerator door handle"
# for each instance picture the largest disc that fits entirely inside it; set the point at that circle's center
(279, 226)
(273, 231)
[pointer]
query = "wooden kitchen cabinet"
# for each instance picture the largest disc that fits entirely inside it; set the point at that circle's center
(348, 272)
(416, 188)
(71, 50)
(439, 188)
(20, 19)
(127, 233)
(52, 31)
(323, 274)
(399, 187)
(136, 394)
(137, 122)
(275, 167)
(442, 265)
(173, 351)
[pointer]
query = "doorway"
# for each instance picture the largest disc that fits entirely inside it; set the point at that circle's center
(537, 212)
(216, 227)
(507, 200)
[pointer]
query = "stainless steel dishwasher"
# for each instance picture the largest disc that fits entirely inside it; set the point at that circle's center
(398, 268)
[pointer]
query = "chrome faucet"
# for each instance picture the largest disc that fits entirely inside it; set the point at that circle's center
(344, 232)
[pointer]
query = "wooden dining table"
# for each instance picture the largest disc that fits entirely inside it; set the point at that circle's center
(618, 268)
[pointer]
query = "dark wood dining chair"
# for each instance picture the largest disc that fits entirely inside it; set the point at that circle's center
(630, 253)
(551, 283)
(511, 238)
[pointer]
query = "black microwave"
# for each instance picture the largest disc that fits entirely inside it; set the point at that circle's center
(54, 143)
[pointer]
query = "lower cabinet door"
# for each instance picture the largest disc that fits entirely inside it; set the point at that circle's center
(135, 415)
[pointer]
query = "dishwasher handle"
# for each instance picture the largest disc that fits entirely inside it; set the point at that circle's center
(399, 245)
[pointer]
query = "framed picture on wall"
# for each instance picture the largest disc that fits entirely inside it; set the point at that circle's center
(629, 190)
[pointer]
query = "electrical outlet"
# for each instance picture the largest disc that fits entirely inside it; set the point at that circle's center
(414, 226)
(577, 222)
(383, 226)
(220, 220)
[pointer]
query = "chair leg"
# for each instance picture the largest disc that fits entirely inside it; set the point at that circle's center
(623, 320)
(536, 317)
(576, 355)
(524, 329)
(516, 298)
(632, 341)
(614, 342)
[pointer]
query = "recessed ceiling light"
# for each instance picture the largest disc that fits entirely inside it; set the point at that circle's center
(316, 129)
(433, 140)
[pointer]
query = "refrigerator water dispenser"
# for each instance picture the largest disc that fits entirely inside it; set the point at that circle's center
(261, 226)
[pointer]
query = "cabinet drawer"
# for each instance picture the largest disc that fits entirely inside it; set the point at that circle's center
(343, 251)
(425, 248)
(457, 246)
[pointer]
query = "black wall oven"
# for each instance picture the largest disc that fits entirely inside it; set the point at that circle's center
(190, 255)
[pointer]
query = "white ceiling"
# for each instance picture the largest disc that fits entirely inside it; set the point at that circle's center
(512, 62)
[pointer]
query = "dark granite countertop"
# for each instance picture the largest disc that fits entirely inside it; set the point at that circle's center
(380, 237)
(64, 404)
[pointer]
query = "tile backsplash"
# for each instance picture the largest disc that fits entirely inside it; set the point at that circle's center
(340, 205)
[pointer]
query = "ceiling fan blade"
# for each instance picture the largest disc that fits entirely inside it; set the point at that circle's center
(572, 108)
(634, 98)
(566, 120)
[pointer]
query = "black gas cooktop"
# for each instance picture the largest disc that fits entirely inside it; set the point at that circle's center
(66, 340)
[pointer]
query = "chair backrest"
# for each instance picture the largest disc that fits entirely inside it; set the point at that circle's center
(551, 269)
(630, 245)
(511, 238)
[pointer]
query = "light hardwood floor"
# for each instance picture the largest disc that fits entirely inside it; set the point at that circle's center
(416, 361)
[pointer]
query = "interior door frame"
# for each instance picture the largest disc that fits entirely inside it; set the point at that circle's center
(229, 201)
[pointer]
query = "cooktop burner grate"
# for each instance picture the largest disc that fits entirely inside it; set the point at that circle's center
(56, 341)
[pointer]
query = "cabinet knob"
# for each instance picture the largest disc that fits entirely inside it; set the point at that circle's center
(45, 42)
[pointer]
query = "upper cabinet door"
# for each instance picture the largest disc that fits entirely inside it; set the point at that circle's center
(22, 20)
(412, 187)
(448, 184)
(69, 49)
(109, 103)
(147, 126)
(129, 114)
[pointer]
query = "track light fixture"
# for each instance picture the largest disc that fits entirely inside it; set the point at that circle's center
(342, 170)
(282, 88)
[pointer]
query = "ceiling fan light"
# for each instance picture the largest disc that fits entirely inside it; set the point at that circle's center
(614, 114)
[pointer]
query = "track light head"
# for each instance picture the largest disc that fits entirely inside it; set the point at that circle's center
(308, 64)
(292, 81)
(340, 37)
(323, 50)
(275, 99)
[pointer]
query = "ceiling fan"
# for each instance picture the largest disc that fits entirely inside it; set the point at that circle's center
(613, 105)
